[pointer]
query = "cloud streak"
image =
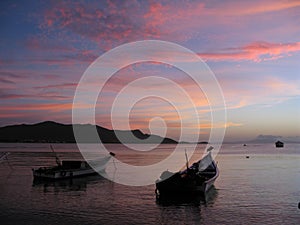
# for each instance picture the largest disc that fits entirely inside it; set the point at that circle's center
(51, 107)
(257, 52)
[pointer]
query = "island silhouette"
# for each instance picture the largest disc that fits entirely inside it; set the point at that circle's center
(53, 132)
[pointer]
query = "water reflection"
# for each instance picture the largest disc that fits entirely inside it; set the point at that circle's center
(74, 184)
(188, 199)
(185, 207)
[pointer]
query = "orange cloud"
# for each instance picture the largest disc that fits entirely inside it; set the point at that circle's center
(208, 125)
(51, 107)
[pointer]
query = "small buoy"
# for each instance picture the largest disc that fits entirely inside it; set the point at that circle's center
(247, 156)
(299, 205)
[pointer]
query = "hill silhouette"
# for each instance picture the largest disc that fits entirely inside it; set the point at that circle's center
(53, 132)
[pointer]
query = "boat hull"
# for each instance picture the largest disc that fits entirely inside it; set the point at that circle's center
(166, 188)
(190, 181)
(64, 174)
(61, 172)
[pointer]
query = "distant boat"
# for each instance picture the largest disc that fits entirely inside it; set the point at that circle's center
(70, 168)
(279, 144)
(198, 178)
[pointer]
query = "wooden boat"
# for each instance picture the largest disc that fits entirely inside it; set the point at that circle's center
(198, 178)
(69, 168)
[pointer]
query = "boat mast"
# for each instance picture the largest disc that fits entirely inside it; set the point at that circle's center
(186, 158)
(56, 157)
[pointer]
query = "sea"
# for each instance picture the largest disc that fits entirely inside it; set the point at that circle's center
(258, 184)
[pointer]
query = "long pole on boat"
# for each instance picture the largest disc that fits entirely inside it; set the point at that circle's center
(4, 156)
(186, 158)
(56, 157)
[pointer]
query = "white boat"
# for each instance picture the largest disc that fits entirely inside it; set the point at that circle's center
(71, 168)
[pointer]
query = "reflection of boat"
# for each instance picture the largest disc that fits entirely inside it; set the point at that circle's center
(198, 178)
(74, 184)
(279, 144)
(188, 199)
(71, 168)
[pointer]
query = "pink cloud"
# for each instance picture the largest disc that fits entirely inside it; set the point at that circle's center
(184, 21)
(100, 21)
(28, 89)
(48, 51)
(108, 24)
(23, 113)
(64, 85)
(47, 96)
(257, 51)
(252, 7)
(49, 45)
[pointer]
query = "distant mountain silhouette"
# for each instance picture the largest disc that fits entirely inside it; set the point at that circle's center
(266, 138)
(52, 132)
(273, 138)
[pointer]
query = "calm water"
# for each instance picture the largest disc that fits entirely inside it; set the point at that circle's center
(263, 189)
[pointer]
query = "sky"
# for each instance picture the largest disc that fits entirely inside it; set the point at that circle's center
(252, 47)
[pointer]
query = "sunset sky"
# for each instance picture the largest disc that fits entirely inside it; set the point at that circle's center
(252, 47)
